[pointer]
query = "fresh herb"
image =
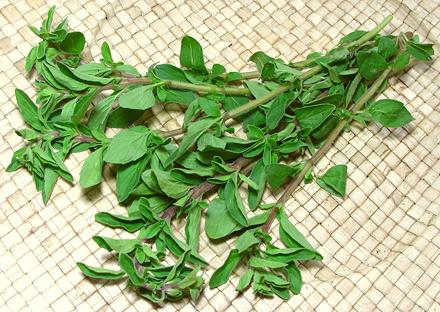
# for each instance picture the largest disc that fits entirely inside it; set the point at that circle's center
(291, 113)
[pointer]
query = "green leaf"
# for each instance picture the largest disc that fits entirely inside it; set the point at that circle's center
(178, 247)
(420, 51)
(260, 263)
(118, 245)
(150, 180)
(222, 274)
(106, 53)
(387, 47)
(278, 108)
(150, 231)
(73, 43)
(291, 146)
(337, 54)
(41, 49)
(50, 178)
(390, 113)
(233, 76)
(217, 70)
(16, 161)
(334, 180)
(291, 236)
(100, 113)
(401, 61)
(127, 69)
(278, 173)
(81, 106)
(170, 186)
(210, 108)
(371, 64)
(354, 84)
(195, 131)
(191, 54)
(28, 109)
(64, 79)
(93, 69)
(275, 280)
(192, 110)
(283, 293)
(258, 175)
(248, 181)
(257, 89)
(287, 255)
(246, 241)
(100, 273)
(91, 171)
(147, 252)
(34, 30)
(127, 265)
(353, 36)
(47, 23)
(254, 133)
(61, 168)
(192, 228)
(139, 97)
(30, 60)
(231, 102)
(295, 279)
(245, 280)
(208, 142)
(256, 118)
(130, 224)
(177, 268)
(169, 72)
(128, 145)
(128, 177)
(178, 96)
(260, 288)
(260, 59)
(233, 201)
(217, 211)
(73, 78)
(123, 117)
(314, 115)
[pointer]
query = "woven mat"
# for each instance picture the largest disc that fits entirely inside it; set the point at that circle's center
(381, 245)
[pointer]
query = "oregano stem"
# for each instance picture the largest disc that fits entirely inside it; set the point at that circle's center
(180, 85)
(246, 75)
(293, 185)
(172, 133)
(269, 96)
(371, 34)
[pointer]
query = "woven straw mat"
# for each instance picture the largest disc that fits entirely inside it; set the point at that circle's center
(381, 245)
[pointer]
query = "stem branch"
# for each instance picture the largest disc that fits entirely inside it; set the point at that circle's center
(371, 34)
(269, 96)
(180, 85)
(293, 185)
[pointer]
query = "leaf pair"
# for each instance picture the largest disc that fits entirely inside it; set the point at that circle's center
(130, 145)
(217, 211)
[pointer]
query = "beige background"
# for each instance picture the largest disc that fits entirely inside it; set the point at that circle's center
(381, 245)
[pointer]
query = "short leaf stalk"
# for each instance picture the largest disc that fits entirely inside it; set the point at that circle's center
(287, 111)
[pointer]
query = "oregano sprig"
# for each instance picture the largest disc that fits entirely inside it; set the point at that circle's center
(291, 114)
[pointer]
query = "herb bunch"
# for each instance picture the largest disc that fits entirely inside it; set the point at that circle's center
(291, 114)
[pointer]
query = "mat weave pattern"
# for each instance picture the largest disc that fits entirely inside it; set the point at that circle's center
(381, 245)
